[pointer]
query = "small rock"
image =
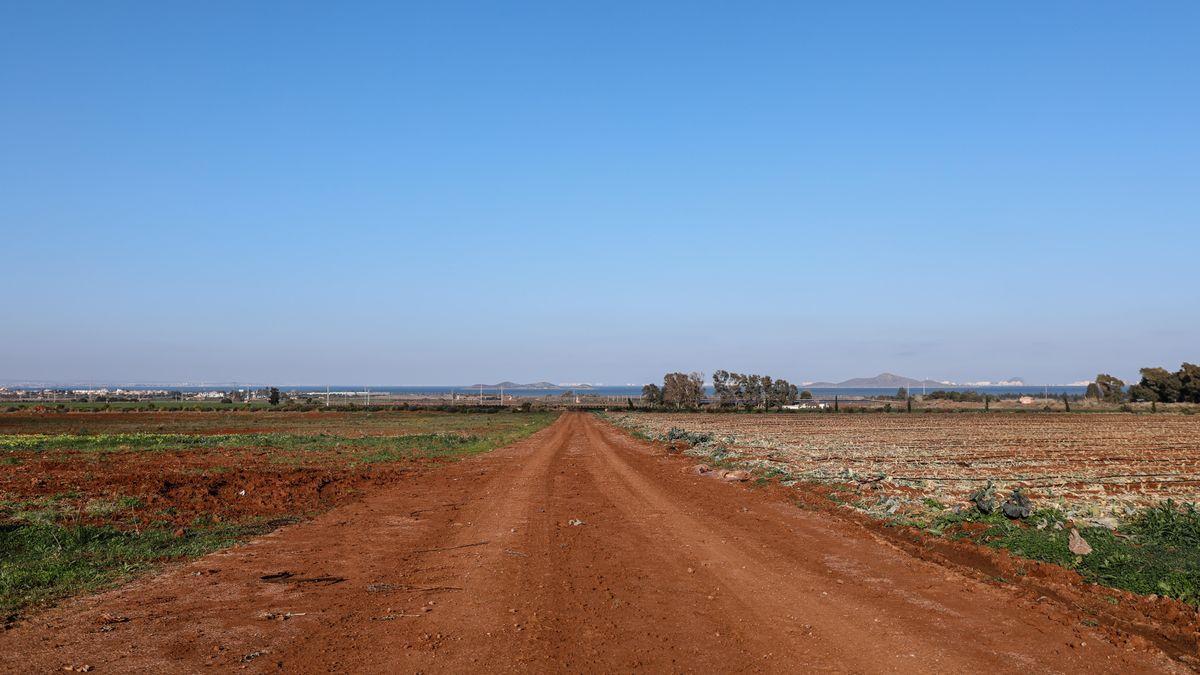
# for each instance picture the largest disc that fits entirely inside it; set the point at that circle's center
(737, 476)
(574, 522)
(702, 469)
(1078, 544)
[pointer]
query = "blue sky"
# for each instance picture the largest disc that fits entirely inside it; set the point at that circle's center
(397, 193)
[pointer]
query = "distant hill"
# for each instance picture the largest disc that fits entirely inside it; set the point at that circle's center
(532, 385)
(880, 381)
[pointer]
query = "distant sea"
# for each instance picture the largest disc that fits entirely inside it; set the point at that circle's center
(620, 391)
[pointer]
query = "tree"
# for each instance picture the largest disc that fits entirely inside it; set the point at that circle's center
(902, 393)
(806, 395)
(1189, 383)
(683, 390)
(783, 393)
(753, 391)
(1109, 388)
(273, 396)
(725, 389)
(652, 394)
(1158, 384)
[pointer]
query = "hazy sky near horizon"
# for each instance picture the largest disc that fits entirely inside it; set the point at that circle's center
(404, 193)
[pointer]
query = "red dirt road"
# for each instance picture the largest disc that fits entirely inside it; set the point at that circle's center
(476, 566)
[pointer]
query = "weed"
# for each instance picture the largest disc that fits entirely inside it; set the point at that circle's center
(1157, 555)
(690, 437)
(40, 562)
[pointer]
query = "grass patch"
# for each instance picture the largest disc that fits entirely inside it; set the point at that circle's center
(58, 545)
(513, 428)
(44, 561)
(1157, 552)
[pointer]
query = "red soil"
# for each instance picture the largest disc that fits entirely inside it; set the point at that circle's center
(178, 486)
(583, 549)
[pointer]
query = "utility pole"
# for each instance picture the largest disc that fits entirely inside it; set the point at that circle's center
(481, 394)
(502, 395)
(368, 397)
(326, 396)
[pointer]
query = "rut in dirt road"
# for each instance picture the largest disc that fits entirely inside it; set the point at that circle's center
(577, 549)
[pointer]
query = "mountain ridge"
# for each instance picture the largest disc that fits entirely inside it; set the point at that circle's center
(880, 381)
(507, 384)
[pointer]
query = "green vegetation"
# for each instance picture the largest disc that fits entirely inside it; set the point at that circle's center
(1155, 551)
(1158, 385)
(44, 561)
(753, 391)
(52, 546)
(692, 438)
(446, 445)
(365, 448)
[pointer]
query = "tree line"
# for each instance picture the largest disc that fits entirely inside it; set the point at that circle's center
(679, 390)
(1158, 385)
(751, 391)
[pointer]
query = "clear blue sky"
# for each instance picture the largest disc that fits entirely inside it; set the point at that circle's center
(450, 192)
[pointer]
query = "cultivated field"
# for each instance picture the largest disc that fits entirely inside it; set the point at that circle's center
(89, 498)
(1093, 466)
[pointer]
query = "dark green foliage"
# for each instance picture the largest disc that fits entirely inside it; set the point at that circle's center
(683, 390)
(1169, 524)
(985, 498)
(1189, 380)
(1156, 555)
(956, 396)
(692, 438)
(1017, 506)
(273, 396)
(1158, 384)
(652, 394)
(1109, 388)
(753, 391)
(46, 561)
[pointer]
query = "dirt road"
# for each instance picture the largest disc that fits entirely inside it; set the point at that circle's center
(578, 549)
